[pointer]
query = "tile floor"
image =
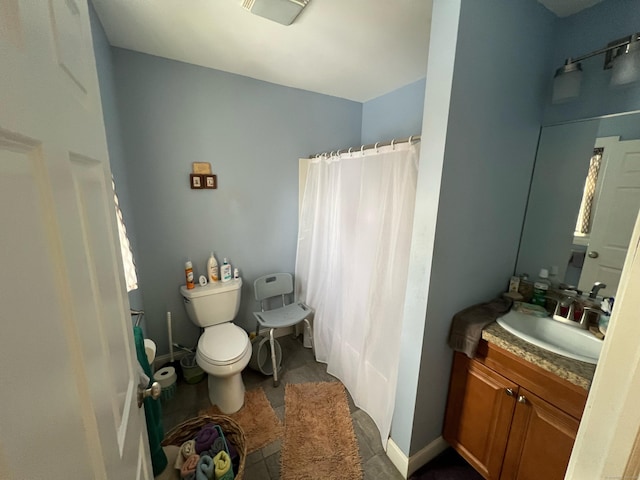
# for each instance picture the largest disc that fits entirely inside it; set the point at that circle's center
(298, 366)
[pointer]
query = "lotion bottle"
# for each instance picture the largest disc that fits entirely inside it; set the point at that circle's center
(212, 268)
(188, 272)
(225, 271)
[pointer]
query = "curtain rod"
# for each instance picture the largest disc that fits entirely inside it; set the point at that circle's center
(368, 147)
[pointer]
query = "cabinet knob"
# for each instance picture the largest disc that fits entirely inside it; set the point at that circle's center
(522, 399)
(509, 392)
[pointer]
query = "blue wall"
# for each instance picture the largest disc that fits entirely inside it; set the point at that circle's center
(397, 114)
(117, 159)
(492, 133)
(585, 32)
(252, 133)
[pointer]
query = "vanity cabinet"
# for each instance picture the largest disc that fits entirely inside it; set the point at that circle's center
(510, 419)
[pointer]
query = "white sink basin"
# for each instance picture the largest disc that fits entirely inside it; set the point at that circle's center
(554, 336)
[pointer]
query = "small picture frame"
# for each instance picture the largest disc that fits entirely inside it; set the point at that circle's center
(196, 180)
(210, 181)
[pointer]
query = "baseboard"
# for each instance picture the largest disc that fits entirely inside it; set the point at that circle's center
(161, 360)
(408, 465)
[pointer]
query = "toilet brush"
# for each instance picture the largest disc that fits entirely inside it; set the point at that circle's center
(172, 361)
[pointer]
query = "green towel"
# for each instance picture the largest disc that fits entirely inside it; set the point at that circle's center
(152, 410)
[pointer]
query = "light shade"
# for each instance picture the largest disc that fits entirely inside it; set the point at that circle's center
(626, 66)
(281, 11)
(566, 84)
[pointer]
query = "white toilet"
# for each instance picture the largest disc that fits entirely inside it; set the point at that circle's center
(224, 349)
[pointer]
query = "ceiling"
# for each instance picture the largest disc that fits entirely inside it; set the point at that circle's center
(353, 49)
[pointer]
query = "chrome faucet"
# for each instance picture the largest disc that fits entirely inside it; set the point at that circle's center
(596, 288)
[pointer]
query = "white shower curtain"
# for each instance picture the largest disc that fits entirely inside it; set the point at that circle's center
(352, 261)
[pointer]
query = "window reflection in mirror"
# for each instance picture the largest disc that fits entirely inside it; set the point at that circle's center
(557, 233)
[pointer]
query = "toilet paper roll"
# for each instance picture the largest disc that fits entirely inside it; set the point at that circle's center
(166, 376)
(202, 280)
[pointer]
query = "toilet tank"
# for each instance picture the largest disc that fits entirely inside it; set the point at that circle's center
(212, 304)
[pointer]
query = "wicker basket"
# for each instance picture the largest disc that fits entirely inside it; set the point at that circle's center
(188, 429)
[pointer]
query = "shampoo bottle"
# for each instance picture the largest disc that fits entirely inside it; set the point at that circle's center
(212, 268)
(225, 271)
(188, 272)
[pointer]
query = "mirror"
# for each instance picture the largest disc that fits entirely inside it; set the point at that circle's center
(608, 202)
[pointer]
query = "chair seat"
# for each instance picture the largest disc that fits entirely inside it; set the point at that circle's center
(286, 316)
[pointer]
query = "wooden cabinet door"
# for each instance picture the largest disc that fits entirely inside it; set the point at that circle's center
(479, 410)
(540, 441)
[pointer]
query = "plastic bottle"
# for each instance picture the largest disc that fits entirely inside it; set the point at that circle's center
(236, 273)
(541, 288)
(212, 268)
(188, 272)
(225, 271)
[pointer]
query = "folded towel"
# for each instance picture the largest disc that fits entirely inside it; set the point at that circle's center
(467, 325)
(205, 437)
(233, 451)
(205, 470)
(218, 445)
(186, 450)
(189, 465)
(223, 470)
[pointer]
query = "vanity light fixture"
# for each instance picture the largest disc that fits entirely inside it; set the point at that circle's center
(622, 56)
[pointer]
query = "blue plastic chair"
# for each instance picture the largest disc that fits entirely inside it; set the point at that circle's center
(268, 287)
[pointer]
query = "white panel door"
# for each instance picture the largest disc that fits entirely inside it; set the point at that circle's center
(69, 378)
(616, 211)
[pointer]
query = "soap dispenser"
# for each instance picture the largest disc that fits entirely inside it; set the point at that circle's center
(225, 271)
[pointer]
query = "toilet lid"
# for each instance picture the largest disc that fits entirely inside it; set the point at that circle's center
(223, 344)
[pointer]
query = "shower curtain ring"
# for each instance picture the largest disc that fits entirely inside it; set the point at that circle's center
(410, 138)
(350, 154)
(362, 150)
(376, 146)
(393, 147)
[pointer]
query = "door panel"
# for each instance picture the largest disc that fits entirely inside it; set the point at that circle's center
(69, 376)
(540, 442)
(478, 415)
(616, 211)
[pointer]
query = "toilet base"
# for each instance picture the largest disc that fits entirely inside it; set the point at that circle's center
(226, 392)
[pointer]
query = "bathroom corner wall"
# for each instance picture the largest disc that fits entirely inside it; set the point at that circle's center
(496, 105)
(252, 133)
(585, 32)
(397, 114)
(104, 66)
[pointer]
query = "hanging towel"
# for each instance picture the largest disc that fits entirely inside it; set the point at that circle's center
(223, 470)
(467, 324)
(189, 466)
(205, 437)
(187, 449)
(152, 410)
(204, 470)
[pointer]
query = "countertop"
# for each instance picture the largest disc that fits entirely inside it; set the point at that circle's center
(574, 371)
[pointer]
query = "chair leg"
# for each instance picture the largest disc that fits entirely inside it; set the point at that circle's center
(276, 382)
(310, 333)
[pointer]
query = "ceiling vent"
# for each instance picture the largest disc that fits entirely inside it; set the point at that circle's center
(281, 11)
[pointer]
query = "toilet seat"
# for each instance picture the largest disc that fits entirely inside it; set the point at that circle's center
(223, 344)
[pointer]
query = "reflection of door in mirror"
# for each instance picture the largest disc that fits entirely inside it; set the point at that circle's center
(615, 213)
(557, 187)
